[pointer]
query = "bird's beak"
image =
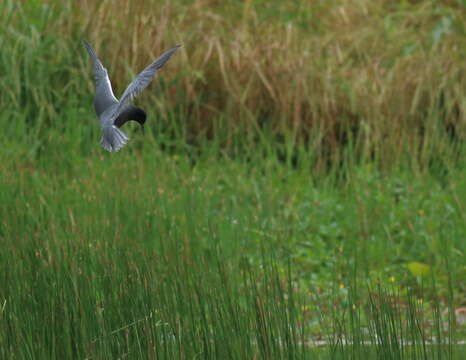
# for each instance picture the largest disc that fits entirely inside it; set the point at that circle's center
(142, 129)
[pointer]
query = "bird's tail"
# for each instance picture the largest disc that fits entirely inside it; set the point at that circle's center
(113, 139)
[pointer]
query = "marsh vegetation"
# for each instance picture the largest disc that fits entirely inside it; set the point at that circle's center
(299, 192)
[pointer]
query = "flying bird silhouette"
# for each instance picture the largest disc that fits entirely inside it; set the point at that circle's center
(113, 113)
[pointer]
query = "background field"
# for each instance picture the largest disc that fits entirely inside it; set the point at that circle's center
(301, 181)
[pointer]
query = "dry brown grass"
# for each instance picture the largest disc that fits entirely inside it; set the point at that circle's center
(387, 74)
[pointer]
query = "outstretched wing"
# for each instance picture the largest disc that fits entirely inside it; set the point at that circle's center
(142, 80)
(104, 93)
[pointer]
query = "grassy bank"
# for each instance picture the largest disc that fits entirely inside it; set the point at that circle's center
(375, 79)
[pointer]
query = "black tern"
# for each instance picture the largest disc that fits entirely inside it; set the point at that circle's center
(113, 113)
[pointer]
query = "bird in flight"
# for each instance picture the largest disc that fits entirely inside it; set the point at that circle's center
(113, 113)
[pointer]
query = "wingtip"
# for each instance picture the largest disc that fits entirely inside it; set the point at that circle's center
(87, 46)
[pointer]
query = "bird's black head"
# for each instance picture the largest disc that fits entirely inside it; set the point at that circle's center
(131, 113)
(140, 116)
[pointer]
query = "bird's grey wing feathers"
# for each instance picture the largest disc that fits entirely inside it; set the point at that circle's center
(142, 80)
(103, 84)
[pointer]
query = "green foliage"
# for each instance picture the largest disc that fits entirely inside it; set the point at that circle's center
(146, 252)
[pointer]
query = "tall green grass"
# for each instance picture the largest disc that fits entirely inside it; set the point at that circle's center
(300, 194)
(145, 254)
